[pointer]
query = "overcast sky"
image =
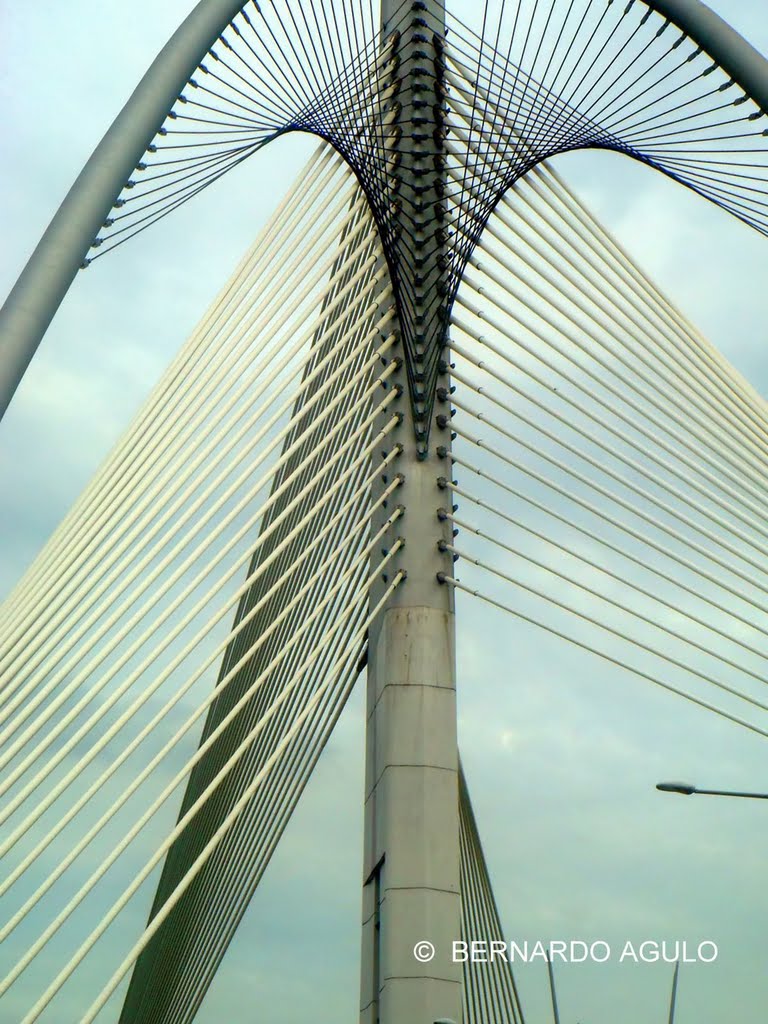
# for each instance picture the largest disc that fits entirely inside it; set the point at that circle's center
(561, 755)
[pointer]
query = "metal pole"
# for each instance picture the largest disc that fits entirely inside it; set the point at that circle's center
(551, 972)
(684, 789)
(673, 999)
(31, 305)
(727, 792)
(411, 894)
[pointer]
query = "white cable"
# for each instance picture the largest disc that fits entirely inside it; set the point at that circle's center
(147, 770)
(74, 557)
(550, 188)
(561, 574)
(712, 389)
(185, 362)
(712, 385)
(136, 674)
(183, 371)
(606, 657)
(31, 704)
(606, 384)
(183, 821)
(513, 224)
(613, 449)
(633, 509)
(213, 842)
(84, 603)
(641, 492)
(76, 771)
(140, 536)
(607, 363)
(601, 539)
(51, 735)
(547, 178)
(718, 442)
(209, 848)
(259, 319)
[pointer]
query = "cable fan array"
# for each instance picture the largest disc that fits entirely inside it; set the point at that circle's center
(489, 100)
(490, 993)
(242, 492)
(200, 616)
(609, 465)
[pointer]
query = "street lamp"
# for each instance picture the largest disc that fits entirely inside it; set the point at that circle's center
(685, 789)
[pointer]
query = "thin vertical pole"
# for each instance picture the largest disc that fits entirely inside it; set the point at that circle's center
(673, 999)
(553, 993)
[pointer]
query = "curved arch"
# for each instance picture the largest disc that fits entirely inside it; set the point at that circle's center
(51, 268)
(47, 276)
(724, 44)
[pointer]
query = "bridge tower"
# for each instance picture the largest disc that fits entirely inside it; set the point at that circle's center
(411, 892)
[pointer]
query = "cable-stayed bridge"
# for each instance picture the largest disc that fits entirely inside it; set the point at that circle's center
(433, 361)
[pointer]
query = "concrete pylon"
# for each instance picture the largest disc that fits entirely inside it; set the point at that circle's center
(411, 893)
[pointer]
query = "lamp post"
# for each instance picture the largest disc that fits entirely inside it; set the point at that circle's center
(673, 999)
(685, 789)
(552, 992)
